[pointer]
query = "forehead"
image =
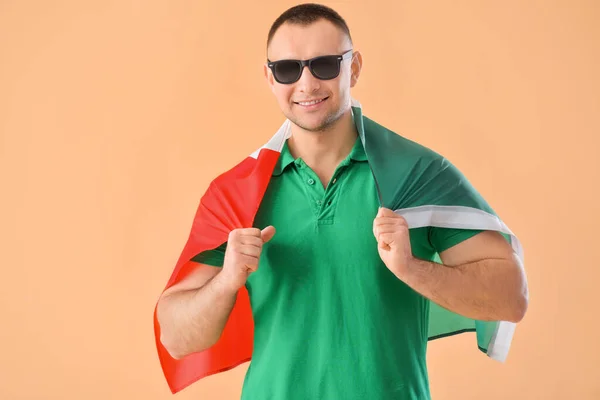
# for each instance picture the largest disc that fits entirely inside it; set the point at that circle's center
(303, 42)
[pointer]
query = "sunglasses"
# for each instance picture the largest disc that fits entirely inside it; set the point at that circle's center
(322, 67)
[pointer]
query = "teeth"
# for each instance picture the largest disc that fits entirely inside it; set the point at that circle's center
(310, 103)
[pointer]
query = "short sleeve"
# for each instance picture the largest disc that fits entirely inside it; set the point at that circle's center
(213, 257)
(444, 238)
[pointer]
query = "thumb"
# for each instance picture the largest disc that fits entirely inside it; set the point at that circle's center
(267, 234)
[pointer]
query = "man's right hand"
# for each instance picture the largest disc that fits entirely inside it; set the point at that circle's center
(242, 255)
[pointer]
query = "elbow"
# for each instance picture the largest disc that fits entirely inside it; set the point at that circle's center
(519, 311)
(520, 306)
(521, 294)
(175, 350)
(176, 346)
(178, 350)
(175, 342)
(169, 338)
(169, 342)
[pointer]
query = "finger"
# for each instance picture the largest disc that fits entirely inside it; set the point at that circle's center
(389, 224)
(386, 239)
(385, 212)
(389, 221)
(395, 226)
(251, 263)
(267, 233)
(392, 216)
(249, 251)
(386, 231)
(389, 229)
(250, 241)
(250, 232)
(245, 232)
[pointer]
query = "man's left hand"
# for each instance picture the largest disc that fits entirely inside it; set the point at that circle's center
(391, 232)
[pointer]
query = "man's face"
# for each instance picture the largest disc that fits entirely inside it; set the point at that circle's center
(298, 42)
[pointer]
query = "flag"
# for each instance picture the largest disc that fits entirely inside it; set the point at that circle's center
(414, 181)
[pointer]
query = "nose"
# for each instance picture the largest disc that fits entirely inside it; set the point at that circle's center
(307, 82)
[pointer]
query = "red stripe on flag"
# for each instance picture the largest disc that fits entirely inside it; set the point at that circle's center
(230, 202)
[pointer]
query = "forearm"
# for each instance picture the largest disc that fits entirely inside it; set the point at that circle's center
(491, 289)
(193, 320)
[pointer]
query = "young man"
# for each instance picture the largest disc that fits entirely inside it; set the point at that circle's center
(340, 288)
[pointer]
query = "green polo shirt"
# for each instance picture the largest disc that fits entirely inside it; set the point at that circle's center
(331, 321)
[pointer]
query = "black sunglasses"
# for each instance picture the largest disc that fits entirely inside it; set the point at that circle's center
(322, 67)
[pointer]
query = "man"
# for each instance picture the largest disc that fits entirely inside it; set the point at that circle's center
(341, 290)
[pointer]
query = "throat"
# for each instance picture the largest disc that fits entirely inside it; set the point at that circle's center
(325, 174)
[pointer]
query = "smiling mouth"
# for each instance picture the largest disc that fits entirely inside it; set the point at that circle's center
(312, 102)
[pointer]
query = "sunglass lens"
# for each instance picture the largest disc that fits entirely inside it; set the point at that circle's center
(325, 67)
(286, 71)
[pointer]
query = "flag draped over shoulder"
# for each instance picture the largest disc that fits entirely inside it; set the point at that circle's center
(415, 182)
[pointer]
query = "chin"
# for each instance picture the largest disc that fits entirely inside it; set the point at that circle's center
(314, 123)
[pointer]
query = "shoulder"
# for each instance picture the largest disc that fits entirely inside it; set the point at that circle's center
(411, 174)
(395, 144)
(394, 151)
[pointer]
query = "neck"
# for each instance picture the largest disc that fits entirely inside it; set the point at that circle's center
(324, 150)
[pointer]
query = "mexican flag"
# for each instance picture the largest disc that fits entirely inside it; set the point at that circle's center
(420, 185)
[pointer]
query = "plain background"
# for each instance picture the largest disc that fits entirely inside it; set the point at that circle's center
(115, 115)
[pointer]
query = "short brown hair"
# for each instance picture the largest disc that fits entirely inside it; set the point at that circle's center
(306, 14)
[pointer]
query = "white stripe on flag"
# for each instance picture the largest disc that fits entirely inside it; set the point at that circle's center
(277, 141)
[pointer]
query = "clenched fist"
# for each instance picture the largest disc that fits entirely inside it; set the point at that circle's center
(244, 247)
(391, 232)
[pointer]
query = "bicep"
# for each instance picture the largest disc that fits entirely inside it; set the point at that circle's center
(204, 267)
(478, 246)
(195, 279)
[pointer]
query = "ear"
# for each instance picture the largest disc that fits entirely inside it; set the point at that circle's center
(355, 68)
(269, 77)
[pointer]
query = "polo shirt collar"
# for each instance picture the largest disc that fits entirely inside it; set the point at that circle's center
(358, 151)
(285, 158)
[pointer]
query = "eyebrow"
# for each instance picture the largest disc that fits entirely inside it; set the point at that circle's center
(320, 55)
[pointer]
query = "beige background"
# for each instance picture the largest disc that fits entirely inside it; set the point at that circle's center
(115, 115)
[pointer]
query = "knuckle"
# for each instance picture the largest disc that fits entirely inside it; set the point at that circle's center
(252, 232)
